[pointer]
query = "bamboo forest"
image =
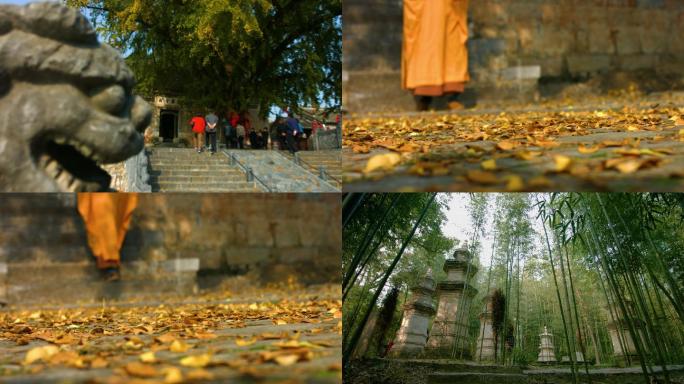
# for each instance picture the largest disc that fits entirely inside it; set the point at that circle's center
(513, 288)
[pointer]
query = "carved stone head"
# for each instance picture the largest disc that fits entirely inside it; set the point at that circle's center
(66, 102)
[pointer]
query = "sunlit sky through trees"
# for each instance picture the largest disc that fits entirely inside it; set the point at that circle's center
(459, 224)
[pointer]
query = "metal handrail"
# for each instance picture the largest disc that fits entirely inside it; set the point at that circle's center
(320, 168)
(249, 172)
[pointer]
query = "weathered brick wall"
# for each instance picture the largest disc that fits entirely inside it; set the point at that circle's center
(565, 38)
(278, 234)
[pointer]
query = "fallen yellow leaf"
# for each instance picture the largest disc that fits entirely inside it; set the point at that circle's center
(586, 150)
(148, 357)
(196, 361)
(245, 342)
(562, 162)
(178, 346)
(482, 177)
(173, 375)
(489, 165)
(629, 166)
(506, 145)
(385, 162)
(199, 375)
(98, 362)
(286, 360)
(515, 183)
(140, 369)
(40, 353)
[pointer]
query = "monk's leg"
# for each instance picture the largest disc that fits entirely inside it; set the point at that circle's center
(422, 102)
(125, 205)
(98, 212)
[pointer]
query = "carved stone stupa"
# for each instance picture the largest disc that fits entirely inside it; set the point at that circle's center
(484, 350)
(413, 332)
(449, 333)
(546, 349)
(620, 336)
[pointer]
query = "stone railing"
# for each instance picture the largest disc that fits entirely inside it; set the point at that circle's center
(329, 139)
(137, 173)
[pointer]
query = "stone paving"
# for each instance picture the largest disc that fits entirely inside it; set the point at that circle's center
(279, 340)
(458, 166)
(279, 173)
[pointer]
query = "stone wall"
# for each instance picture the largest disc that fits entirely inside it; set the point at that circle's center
(516, 41)
(273, 236)
(277, 234)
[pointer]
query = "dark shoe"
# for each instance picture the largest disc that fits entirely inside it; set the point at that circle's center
(111, 274)
(422, 103)
(455, 106)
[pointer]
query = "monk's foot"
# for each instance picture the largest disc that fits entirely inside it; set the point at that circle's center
(422, 103)
(111, 274)
(455, 106)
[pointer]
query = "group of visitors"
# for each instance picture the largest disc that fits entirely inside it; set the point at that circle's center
(236, 128)
(287, 132)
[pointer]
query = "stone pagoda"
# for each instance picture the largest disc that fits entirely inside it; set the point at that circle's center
(484, 350)
(623, 346)
(419, 309)
(449, 333)
(546, 349)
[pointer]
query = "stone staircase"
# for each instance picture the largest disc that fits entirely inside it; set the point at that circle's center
(185, 170)
(44, 257)
(331, 160)
(278, 173)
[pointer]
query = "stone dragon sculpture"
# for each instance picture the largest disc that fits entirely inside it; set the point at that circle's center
(66, 102)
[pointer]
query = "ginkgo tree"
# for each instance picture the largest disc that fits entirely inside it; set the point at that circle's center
(228, 54)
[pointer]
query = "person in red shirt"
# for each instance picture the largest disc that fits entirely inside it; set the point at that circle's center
(197, 123)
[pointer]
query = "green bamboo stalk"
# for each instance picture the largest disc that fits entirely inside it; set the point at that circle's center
(365, 243)
(489, 283)
(616, 292)
(346, 355)
(352, 198)
(611, 304)
(635, 288)
(560, 302)
(577, 320)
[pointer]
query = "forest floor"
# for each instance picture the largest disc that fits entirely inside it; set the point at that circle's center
(430, 371)
(279, 336)
(626, 142)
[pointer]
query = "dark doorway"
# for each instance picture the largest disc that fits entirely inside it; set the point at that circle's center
(168, 125)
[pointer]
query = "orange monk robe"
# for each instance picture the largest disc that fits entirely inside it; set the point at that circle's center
(107, 217)
(434, 53)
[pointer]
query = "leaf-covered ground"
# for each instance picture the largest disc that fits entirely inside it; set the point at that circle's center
(633, 143)
(292, 337)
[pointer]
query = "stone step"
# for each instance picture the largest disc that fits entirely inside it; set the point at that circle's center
(204, 190)
(205, 187)
(198, 179)
(212, 173)
(476, 378)
(174, 162)
(190, 167)
(35, 283)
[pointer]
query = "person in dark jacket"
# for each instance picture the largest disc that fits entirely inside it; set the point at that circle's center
(211, 130)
